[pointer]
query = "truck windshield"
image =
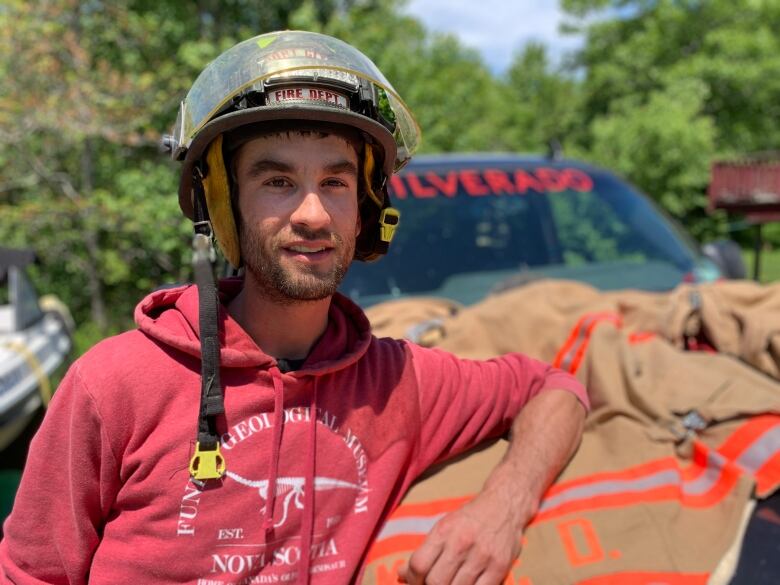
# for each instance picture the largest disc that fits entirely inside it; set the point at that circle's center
(467, 232)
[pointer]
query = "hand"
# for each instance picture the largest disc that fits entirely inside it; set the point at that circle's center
(473, 545)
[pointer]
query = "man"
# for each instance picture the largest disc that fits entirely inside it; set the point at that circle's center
(309, 429)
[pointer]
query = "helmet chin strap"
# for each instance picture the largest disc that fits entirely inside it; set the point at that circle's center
(210, 190)
(207, 462)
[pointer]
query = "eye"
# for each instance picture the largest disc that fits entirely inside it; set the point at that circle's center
(334, 182)
(278, 182)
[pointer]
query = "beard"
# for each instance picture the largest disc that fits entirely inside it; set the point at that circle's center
(289, 284)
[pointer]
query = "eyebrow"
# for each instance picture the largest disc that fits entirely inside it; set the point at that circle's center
(265, 165)
(342, 167)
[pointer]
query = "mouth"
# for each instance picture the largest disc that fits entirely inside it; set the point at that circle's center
(310, 252)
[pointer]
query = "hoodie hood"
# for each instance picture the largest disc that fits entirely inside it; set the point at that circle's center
(170, 316)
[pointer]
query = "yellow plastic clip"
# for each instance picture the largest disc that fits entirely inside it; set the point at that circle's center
(207, 464)
(388, 223)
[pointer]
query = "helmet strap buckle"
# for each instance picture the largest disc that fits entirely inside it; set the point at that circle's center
(203, 246)
(388, 223)
(207, 463)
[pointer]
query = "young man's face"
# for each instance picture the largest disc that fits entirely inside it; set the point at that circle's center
(298, 213)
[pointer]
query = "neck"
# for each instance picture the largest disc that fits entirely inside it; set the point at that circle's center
(281, 330)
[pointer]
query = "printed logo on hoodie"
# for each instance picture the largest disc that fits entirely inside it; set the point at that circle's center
(243, 551)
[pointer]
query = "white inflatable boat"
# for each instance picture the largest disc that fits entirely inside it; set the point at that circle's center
(35, 340)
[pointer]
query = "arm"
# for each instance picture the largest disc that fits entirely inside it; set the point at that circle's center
(68, 485)
(479, 542)
(465, 402)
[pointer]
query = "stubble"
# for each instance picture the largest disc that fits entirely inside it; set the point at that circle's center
(293, 282)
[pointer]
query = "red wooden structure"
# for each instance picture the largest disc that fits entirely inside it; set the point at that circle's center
(750, 186)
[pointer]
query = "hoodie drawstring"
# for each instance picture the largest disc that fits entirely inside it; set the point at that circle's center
(273, 470)
(308, 500)
(307, 530)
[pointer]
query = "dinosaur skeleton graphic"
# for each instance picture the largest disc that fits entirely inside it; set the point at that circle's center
(292, 490)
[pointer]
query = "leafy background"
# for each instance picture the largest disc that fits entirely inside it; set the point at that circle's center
(659, 90)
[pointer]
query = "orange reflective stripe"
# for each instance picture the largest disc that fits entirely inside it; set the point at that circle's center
(717, 490)
(758, 434)
(575, 344)
(703, 483)
(570, 341)
(642, 578)
(711, 476)
(575, 364)
(641, 336)
(698, 462)
(745, 435)
(388, 575)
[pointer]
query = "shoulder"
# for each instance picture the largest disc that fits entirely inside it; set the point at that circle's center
(119, 353)
(387, 350)
(408, 350)
(414, 357)
(116, 367)
(116, 346)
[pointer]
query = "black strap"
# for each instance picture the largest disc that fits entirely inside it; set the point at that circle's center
(211, 400)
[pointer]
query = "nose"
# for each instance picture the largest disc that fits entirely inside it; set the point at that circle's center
(311, 212)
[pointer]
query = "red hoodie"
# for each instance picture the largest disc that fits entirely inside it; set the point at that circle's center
(107, 498)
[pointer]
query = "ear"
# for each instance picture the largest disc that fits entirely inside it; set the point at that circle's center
(358, 224)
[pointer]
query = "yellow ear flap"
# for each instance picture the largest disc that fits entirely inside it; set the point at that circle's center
(217, 190)
(368, 174)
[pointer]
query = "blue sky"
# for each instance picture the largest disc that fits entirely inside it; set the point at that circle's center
(497, 28)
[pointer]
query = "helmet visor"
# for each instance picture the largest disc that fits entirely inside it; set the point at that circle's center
(292, 56)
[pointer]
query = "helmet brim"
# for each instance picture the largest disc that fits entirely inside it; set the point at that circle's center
(292, 112)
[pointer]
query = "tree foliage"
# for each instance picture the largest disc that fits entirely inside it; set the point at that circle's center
(457, 101)
(546, 105)
(663, 144)
(670, 85)
(659, 89)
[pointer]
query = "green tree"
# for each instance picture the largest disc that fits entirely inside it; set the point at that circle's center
(458, 103)
(545, 103)
(731, 46)
(71, 105)
(671, 84)
(663, 144)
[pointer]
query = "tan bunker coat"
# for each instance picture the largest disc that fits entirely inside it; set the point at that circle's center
(678, 443)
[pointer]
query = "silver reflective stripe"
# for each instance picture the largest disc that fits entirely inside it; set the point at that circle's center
(566, 362)
(761, 450)
(582, 337)
(668, 477)
(608, 487)
(410, 525)
(700, 485)
(751, 459)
